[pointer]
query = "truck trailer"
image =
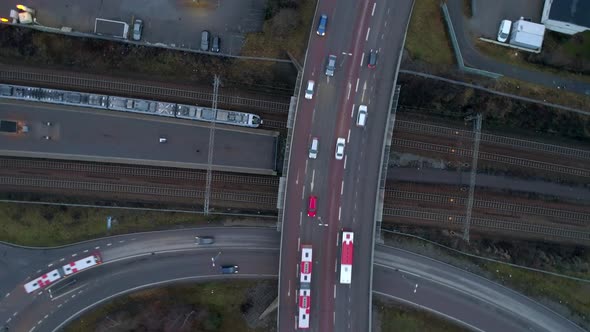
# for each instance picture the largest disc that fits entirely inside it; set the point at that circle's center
(13, 127)
(527, 34)
(110, 28)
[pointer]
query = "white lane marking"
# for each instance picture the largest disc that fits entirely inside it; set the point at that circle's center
(96, 248)
(357, 85)
(334, 290)
(8, 320)
(348, 138)
(64, 294)
(312, 179)
(59, 305)
(300, 218)
(385, 23)
(46, 316)
(14, 314)
(303, 192)
(348, 94)
(32, 329)
(62, 259)
(39, 322)
(297, 271)
(373, 12)
(368, 32)
(289, 290)
(382, 36)
(336, 265)
(362, 59)
(345, 158)
(388, 10)
(342, 187)
(74, 255)
(339, 212)
(334, 319)
(7, 295)
(337, 240)
(352, 110)
(298, 244)
(109, 244)
(295, 317)
(364, 90)
(50, 265)
(86, 250)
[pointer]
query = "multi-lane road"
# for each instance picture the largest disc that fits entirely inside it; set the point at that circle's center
(346, 189)
(130, 265)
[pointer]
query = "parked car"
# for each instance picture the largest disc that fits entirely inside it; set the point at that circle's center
(372, 63)
(229, 269)
(340, 143)
(504, 30)
(137, 29)
(309, 90)
(322, 25)
(312, 206)
(215, 46)
(205, 36)
(204, 240)
(313, 149)
(331, 66)
(163, 140)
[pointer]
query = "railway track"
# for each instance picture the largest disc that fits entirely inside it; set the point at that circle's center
(247, 197)
(581, 218)
(275, 124)
(418, 127)
(143, 171)
(88, 82)
(503, 225)
(487, 156)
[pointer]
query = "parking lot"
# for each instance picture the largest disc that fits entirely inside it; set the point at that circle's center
(489, 14)
(176, 23)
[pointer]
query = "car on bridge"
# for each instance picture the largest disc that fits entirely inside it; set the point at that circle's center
(312, 206)
(340, 143)
(309, 90)
(322, 25)
(331, 66)
(229, 269)
(372, 63)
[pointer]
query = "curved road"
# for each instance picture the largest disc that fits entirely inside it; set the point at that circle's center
(417, 280)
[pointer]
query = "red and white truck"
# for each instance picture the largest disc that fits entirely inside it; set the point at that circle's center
(346, 257)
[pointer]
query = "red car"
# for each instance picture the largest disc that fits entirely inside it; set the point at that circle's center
(312, 206)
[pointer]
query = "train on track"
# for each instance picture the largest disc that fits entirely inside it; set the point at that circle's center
(123, 104)
(63, 271)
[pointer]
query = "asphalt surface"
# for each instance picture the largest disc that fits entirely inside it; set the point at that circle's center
(171, 23)
(346, 189)
(488, 14)
(413, 279)
(128, 138)
(474, 58)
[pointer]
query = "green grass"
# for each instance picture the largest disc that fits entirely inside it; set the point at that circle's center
(216, 306)
(50, 225)
(395, 317)
(571, 293)
(270, 44)
(427, 38)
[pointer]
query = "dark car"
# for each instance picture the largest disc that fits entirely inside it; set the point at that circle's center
(204, 239)
(372, 59)
(322, 25)
(216, 44)
(205, 36)
(229, 269)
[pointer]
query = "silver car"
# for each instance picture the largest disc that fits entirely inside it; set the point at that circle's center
(331, 65)
(340, 143)
(137, 29)
(205, 36)
(204, 240)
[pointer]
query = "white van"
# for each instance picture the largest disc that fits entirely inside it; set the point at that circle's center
(313, 149)
(309, 90)
(361, 118)
(504, 30)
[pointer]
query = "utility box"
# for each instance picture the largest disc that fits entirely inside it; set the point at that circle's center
(527, 34)
(110, 28)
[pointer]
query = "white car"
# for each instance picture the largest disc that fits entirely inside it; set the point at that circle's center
(504, 31)
(313, 149)
(361, 118)
(309, 90)
(340, 143)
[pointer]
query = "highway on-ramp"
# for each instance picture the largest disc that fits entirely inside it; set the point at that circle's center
(412, 279)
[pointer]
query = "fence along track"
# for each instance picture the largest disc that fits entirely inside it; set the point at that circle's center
(488, 223)
(417, 127)
(580, 218)
(136, 88)
(526, 163)
(146, 171)
(257, 198)
(275, 124)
